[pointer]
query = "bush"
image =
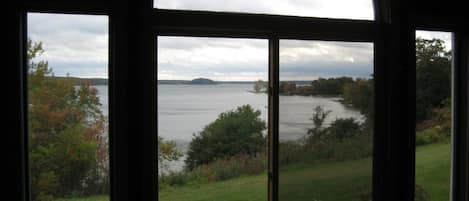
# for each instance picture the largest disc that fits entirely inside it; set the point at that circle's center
(333, 150)
(344, 139)
(46, 186)
(218, 170)
(233, 133)
(430, 135)
(233, 167)
(344, 128)
(175, 178)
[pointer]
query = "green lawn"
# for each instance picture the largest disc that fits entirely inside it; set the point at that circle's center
(433, 170)
(329, 182)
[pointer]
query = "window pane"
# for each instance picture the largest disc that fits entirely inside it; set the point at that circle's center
(68, 107)
(351, 9)
(326, 120)
(212, 119)
(433, 117)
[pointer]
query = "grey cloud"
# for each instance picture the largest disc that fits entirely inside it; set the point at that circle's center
(338, 58)
(75, 44)
(97, 70)
(357, 9)
(50, 23)
(191, 43)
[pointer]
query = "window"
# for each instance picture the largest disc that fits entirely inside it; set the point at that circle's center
(212, 118)
(139, 108)
(356, 9)
(433, 115)
(68, 106)
(326, 120)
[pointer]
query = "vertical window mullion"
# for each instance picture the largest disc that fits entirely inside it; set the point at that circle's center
(273, 118)
(459, 173)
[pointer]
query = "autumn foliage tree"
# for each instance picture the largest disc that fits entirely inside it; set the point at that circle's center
(67, 143)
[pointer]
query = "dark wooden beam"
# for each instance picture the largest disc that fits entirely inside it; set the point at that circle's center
(69, 7)
(204, 23)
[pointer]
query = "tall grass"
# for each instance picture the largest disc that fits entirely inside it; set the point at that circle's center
(358, 147)
(219, 170)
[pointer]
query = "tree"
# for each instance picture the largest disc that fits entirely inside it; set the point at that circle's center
(344, 128)
(433, 76)
(167, 152)
(66, 130)
(287, 88)
(260, 86)
(330, 86)
(359, 94)
(234, 132)
(317, 132)
(339, 129)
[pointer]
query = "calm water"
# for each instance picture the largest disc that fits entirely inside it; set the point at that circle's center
(184, 110)
(103, 98)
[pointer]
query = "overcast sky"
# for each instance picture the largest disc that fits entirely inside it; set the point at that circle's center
(355, 9)
(78, 45)
(75, 44)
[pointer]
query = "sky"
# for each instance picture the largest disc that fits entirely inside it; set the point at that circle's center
(355, 9)
(74, 44)
(78, 45)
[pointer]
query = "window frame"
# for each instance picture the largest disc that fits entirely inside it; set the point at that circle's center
(133, 28)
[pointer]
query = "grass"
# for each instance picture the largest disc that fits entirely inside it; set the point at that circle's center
(327, 181)
(91, 198)
(348, 180)
(433, 164)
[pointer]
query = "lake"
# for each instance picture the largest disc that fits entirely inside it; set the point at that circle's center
(184, 110)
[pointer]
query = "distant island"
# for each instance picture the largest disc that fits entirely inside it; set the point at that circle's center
(202, 81)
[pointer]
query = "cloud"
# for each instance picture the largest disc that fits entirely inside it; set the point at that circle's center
(73, 44)
(78, 45)
(356, 9)
(215, 58)
(247, 59)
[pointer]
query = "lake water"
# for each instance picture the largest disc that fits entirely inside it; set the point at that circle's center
(184, 110)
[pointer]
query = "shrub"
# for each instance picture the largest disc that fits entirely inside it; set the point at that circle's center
(234, 167)
(46, 186)
(428, 136)
(174, 178)
(218, 170)
(233, 133)
(344, 128)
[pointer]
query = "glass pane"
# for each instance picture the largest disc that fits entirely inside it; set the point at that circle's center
(326, 120)
(433, 117)
(212, 119)
(346, 9)
(68, 107)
